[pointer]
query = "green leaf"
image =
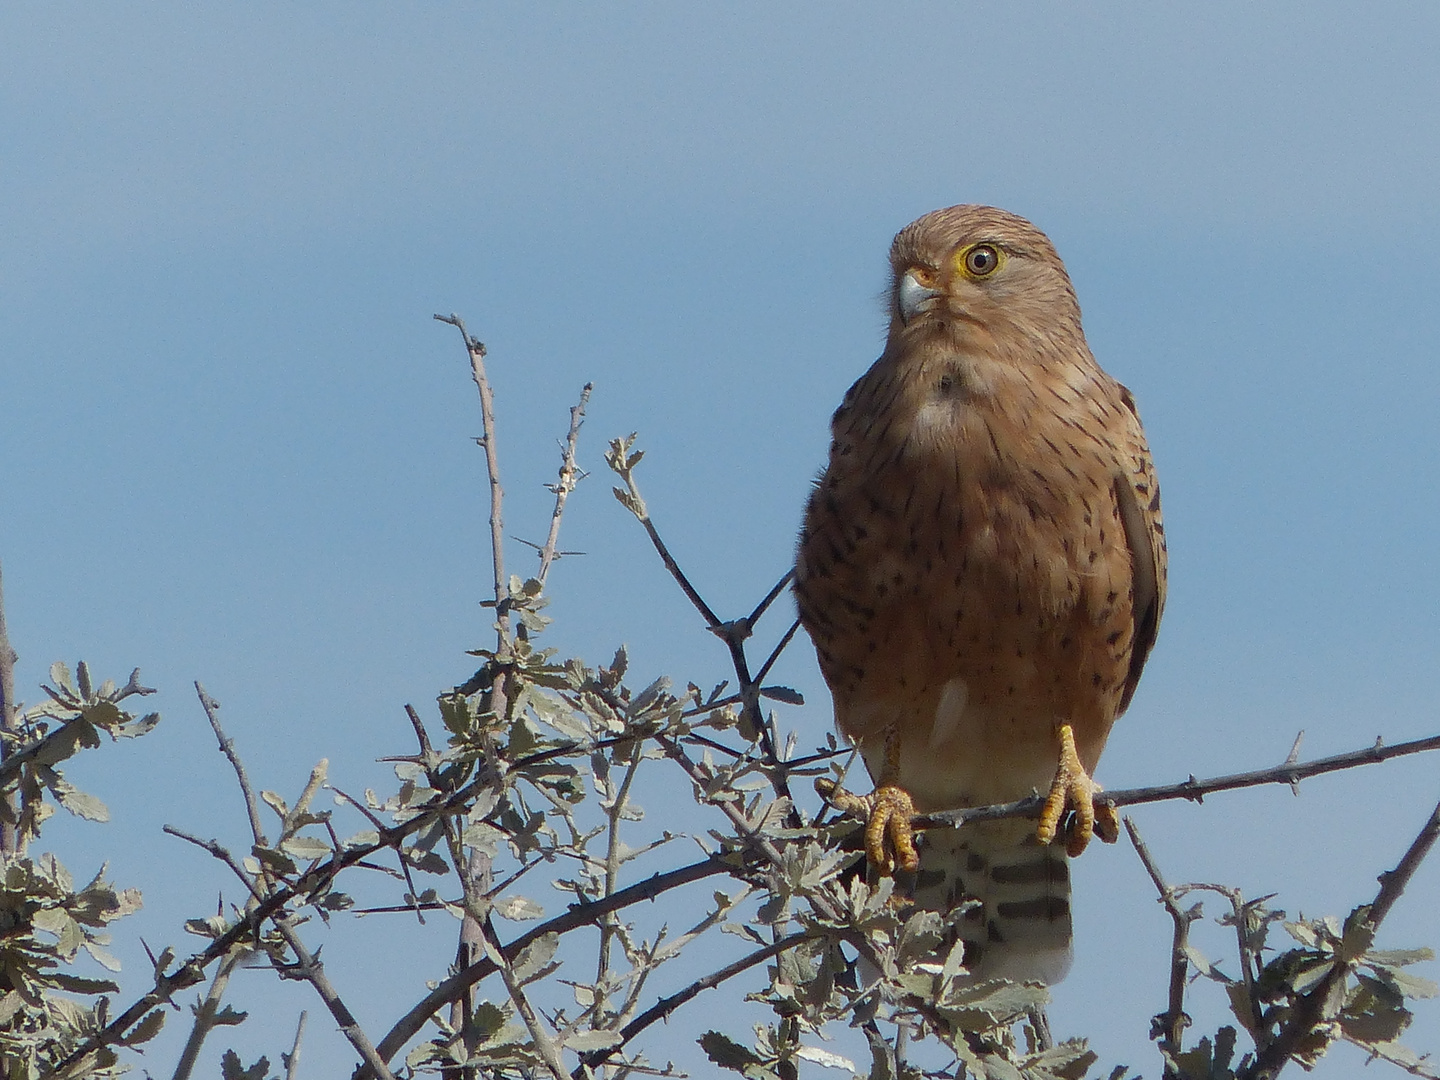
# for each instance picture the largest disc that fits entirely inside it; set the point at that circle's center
(726, 1052)
(231, 1069)
(61, 677)
(1392, 958)
(80, 804)
(275, 861)
(785, 694)
(487, 1021)
(518, 908)
(1380, 1026)
(1412, 986)
(74, 984)
(101, 957)
(145, 1030)
(824, 1058)
(535, 956)
(104, 714)
(1358, 935)
(228, 1017)
(585, 1041)
(1069, 1060)
(306, 847)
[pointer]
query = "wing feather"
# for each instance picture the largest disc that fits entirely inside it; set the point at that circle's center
(1137, 491)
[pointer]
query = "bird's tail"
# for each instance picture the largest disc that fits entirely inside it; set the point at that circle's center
(1021, 928)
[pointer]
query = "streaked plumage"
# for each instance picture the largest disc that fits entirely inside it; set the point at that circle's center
(983, 562)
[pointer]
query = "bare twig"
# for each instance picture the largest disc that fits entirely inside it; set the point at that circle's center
(219, 983)
(1289, 773)
(227, 747)
(9, 715)
(220, 852)
(475, 349)
(733, 633)
(633, 501)
(474, 869)
(570, 475)
(1248, 951)
(1173, 1021)
(785, 640)
(1312, 1008)
(770, 597)
(665, 1006)
(427, 752)
(292, 1059)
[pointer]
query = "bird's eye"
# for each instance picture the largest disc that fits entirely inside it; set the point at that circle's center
(982, 259)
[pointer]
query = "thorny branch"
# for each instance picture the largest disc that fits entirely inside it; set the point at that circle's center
(1173, 1020)
(227, 747)
(752, 849)
(190, 972)
(544, 1044)
(206, 1015)
(473, 868)
(570, 476)
(578, 915)
(1289, 773)
(292, 1059)
(733, 633)
(475, 349)
(1313, 1007)
(665, 1006)
(9, 714)
(307, 967)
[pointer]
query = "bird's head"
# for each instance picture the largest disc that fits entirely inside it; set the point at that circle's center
(981, 277)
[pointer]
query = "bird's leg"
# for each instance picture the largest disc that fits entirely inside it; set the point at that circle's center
(1074, 790)
(889, 839)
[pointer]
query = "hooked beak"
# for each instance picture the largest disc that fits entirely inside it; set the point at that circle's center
(913, 297)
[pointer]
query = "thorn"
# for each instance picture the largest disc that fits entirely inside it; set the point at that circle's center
(1294, 754)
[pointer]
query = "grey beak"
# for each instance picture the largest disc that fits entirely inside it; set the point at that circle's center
(913, 298)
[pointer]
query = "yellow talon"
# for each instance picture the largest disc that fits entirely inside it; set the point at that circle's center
(1073, 789)
(887, 812)
(888, 831)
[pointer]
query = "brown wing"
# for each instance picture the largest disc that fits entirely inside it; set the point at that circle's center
(1138, 493)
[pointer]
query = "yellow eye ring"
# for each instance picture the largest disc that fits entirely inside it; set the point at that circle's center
(980, 261)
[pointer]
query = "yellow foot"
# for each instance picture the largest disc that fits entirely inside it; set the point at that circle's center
(889, 839)
(1074, 790)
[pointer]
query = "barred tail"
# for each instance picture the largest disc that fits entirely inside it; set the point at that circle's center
(1021, 931)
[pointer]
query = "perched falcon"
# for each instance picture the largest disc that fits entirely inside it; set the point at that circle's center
(982, 569)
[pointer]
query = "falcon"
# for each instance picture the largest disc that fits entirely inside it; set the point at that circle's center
(982, 570)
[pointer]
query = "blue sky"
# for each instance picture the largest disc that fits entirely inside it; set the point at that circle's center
(235, 446)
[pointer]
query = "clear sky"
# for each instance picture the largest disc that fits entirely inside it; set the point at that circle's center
(235, 447)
